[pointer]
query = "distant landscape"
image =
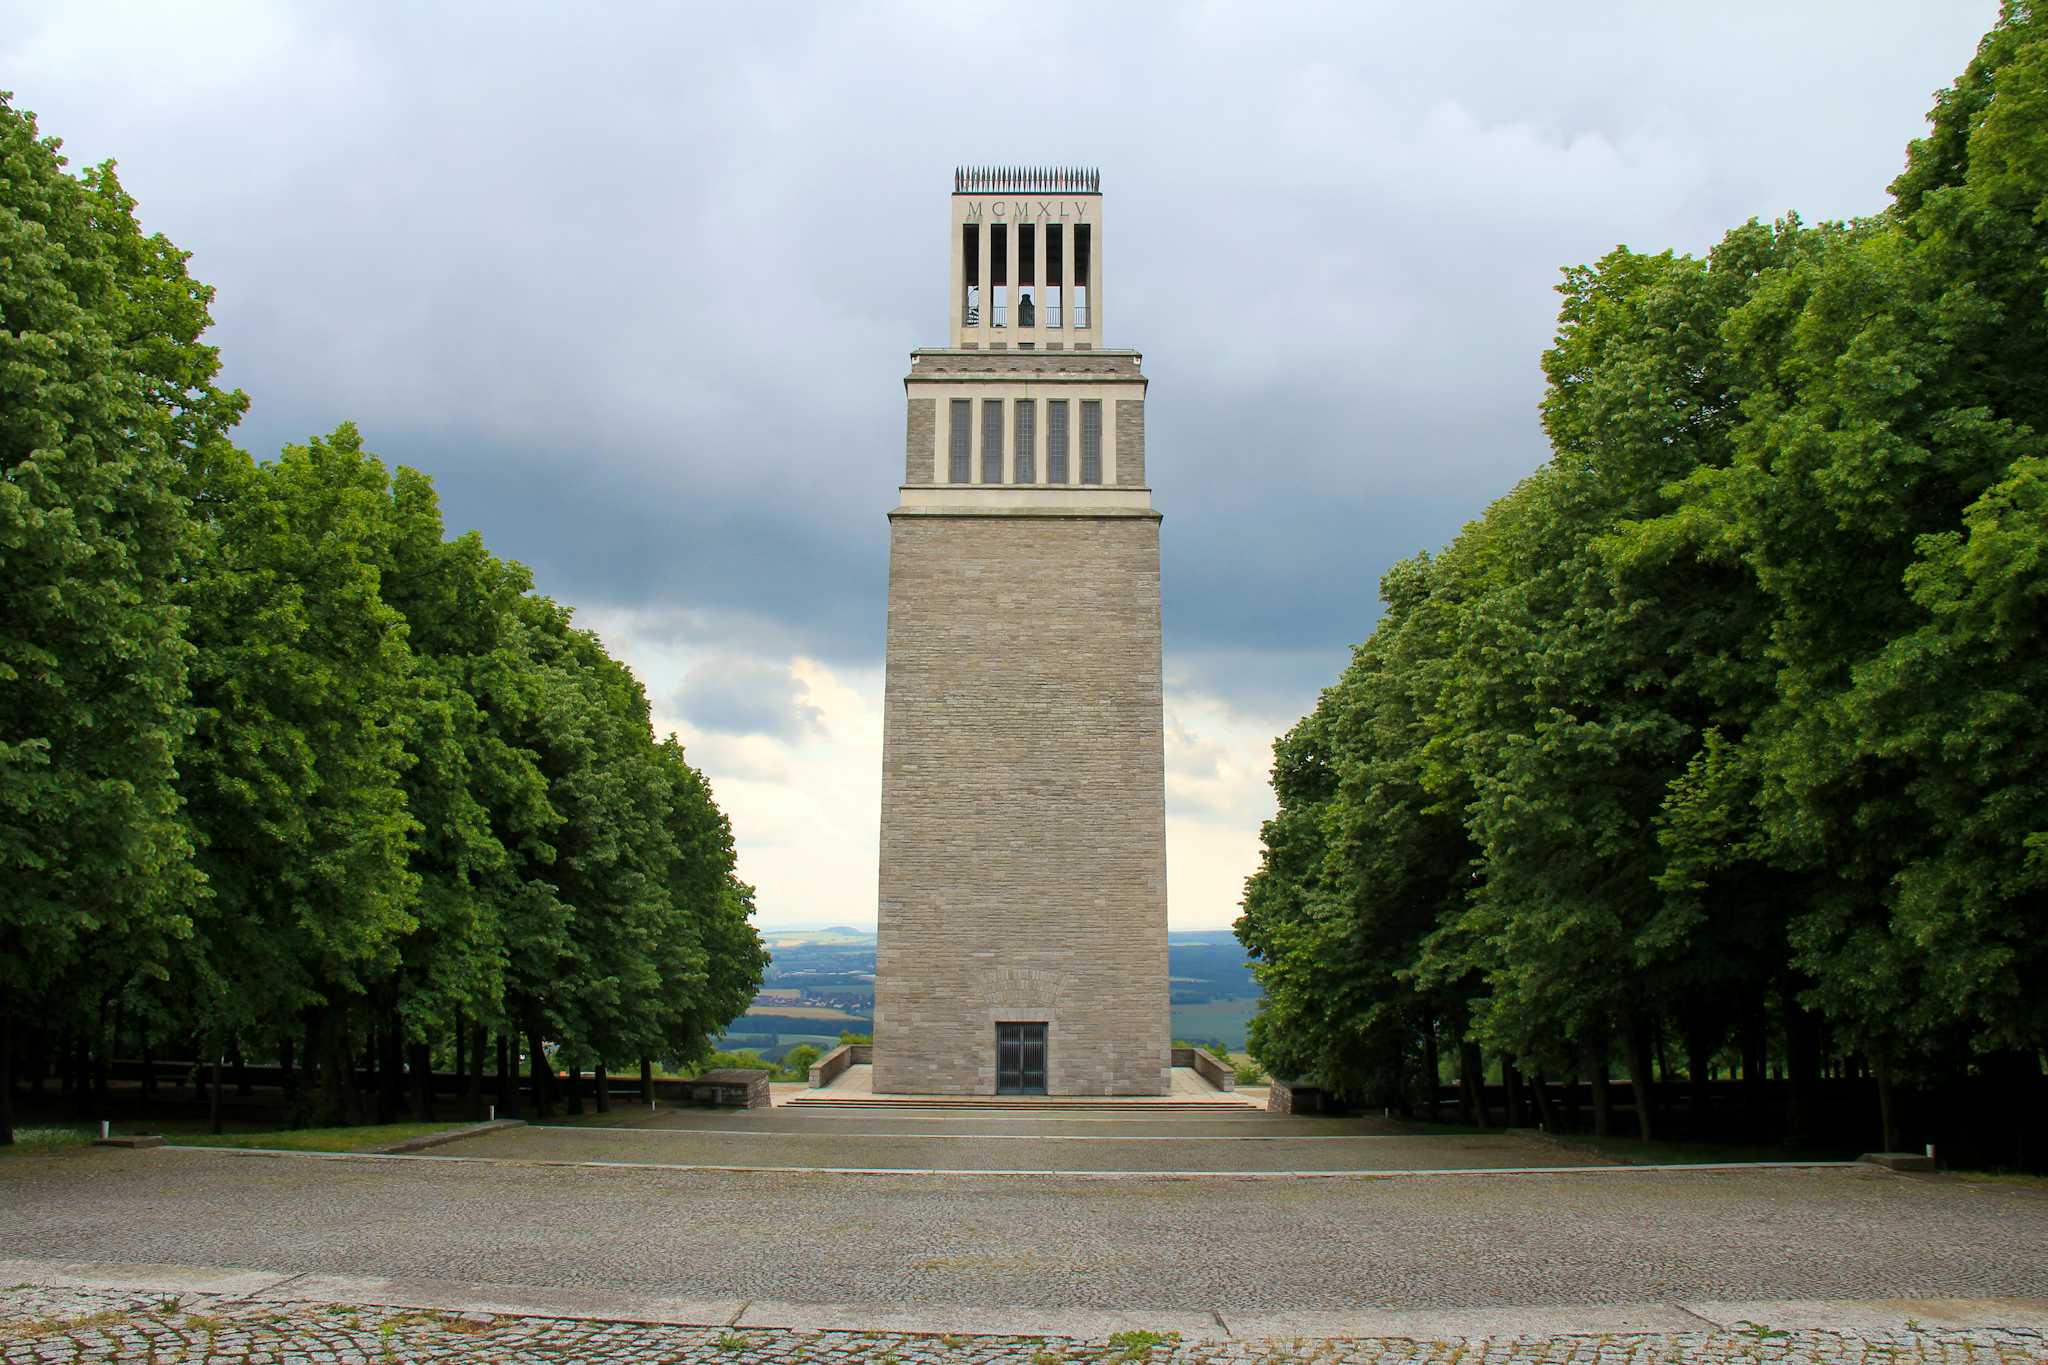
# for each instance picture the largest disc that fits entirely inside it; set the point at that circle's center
(821, 983)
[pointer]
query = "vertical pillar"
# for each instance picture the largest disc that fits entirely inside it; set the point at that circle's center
(1067, 294)
(981, 275)
(956, 285)
(1096, 274)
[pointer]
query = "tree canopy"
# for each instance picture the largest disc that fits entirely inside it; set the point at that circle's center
(286, 770)
(1724, 727)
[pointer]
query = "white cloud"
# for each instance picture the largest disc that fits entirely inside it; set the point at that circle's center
(805, 802)
(1217, 761)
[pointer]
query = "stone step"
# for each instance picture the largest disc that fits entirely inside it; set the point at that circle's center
(978, 1103)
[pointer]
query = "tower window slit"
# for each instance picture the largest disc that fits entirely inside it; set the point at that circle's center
(970, 270)
(1056, 441)
(1091, 440)
(1055, 266)
(1026, 440)
(962, 437)
(1027, 275)
(1084, 262)
(999, 274)
(992, 440)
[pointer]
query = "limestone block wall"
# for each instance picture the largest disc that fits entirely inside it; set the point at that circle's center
(1130, 442)
(1023, 842)
(920, 439)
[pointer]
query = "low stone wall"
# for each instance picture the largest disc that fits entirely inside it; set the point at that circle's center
(1207, 1065)
(833, 1064)
(1298, 1097)
(729, 1088)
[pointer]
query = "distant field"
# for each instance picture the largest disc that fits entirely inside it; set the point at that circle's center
(1222, 1020)
(801, 1012)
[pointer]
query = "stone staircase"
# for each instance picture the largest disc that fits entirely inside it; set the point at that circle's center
(1221, 1106)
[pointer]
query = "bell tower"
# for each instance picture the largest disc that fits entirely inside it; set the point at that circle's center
(1025, 266)
(1022, 908)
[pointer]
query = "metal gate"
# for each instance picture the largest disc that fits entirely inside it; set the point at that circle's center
(1020, 1059)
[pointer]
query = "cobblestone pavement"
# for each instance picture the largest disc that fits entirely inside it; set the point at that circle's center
(54, 1326)
(1457, 1241)
(843, 1141)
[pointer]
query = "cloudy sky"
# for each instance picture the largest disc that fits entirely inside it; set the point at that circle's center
(637, 286)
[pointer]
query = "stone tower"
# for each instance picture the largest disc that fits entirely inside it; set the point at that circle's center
(1022, 916)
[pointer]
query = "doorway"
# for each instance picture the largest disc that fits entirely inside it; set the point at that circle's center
(1020, 1059)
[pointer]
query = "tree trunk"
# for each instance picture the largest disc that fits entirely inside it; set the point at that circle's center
(1539, 1090)
(1754, 1095)
(1699, 1061)
(508, 1089)
(1511, 1081)
(1802, 1071)
(373, 1066)
(6, 1069)
(38, 1061)
(1641, 1082)
(339, 1099)
(575, 1105)
(287, 1065)
(603, 1085)
(390, 1069)
(97, 1063)
(148, 1067)
(213, 1095)
(1603, 1098)
(1433, 1069)
(1472, 1082)
(479, 1040)
(1889, 1126)
(241, 1067)
(421, 1059)
(647, 1081)
(460, 1056)
(64, 1056)
(541, 1074)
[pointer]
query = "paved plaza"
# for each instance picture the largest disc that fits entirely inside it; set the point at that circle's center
(1236, 1141)
(968, 1238)
(1137, 1243)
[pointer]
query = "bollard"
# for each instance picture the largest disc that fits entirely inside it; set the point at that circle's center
(494, 1113)
(107, 1131)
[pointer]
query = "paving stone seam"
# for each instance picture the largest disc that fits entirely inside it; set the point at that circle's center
(1042, 1172)
(2020, 1317)
(421, 1143)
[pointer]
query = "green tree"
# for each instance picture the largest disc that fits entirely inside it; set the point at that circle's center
(295, 773)
(105, 394)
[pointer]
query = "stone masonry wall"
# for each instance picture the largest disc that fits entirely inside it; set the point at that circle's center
(1023, 851)
(1130, 442)
(920, 440)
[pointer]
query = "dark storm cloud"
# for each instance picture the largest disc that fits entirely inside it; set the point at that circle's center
(638, 288)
